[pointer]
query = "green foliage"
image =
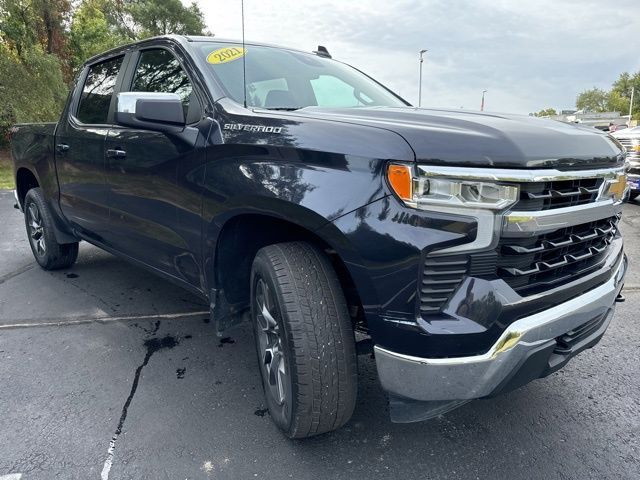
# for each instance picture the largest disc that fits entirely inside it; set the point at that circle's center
(594, 100)
(24, 23)
(615, 100)
(547, 112)
(31, 88)
(91, 32)
(160, 17)
(43, 44)
(6, 171)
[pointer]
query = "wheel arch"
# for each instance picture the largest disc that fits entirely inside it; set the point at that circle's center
(25, 181)
(241, 236)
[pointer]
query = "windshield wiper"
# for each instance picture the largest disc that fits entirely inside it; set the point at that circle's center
(286, 109)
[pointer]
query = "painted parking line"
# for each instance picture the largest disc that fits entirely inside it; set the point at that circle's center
(11, 476)
(61, 322)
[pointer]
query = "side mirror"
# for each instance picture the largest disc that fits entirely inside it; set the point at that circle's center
(162, 112)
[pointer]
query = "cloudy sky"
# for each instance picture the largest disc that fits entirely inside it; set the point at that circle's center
(528, 54)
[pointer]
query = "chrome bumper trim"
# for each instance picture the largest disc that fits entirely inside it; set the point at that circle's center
(523, 224)
(464, 378)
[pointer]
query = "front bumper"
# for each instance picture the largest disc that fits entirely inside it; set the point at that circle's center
(509, 360)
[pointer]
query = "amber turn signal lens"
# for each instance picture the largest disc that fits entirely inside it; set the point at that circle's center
(401, 181)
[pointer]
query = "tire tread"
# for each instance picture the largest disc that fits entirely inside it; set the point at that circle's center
(320, 336)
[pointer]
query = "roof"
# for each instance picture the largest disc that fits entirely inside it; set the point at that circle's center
(186, 38)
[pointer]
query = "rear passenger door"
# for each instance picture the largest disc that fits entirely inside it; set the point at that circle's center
(142, 171)
(80, 140)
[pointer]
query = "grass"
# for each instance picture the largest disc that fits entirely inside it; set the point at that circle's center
(6, 170)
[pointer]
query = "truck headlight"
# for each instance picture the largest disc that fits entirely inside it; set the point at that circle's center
(425, 191)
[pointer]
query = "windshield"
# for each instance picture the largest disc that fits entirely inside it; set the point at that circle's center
(288, 80)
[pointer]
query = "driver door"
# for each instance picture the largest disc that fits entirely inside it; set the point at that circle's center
(142, 168)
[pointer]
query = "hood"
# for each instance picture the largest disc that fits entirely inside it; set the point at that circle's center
(465, 138)
(627, 133)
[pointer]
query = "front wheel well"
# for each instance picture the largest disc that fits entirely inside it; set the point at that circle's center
(243, 236)
(25, 181)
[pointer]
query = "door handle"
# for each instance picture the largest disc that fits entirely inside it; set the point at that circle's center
(62, 147)
(116, 153)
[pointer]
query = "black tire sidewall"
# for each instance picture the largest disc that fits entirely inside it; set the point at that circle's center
(282, 415)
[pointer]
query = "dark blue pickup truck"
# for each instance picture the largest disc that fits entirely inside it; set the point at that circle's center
(470, 253)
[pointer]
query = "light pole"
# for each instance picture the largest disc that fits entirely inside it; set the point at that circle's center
(482, 103)
(631, 105)
(422, 52)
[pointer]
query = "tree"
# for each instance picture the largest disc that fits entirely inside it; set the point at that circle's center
(17, 25)
(624, 83)
(52, 15)
(31, 87)
(547, 112)
(138, 19)
(91, 32)
(43, 43)
(594, 100)
(25, 23)
(615, 100)
(620, 95)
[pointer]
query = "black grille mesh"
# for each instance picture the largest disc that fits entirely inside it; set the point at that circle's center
(529, 265)
(534, 264)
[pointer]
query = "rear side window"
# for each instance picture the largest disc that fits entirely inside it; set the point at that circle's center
(98, 91)
(159, 71)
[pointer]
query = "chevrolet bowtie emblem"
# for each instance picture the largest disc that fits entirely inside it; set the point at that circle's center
(617, 187)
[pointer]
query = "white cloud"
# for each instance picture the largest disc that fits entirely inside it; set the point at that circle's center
(527, 54)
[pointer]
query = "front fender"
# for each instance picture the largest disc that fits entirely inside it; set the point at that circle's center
(384, 246)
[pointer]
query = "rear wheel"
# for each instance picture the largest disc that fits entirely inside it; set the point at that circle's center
(304, 339)
(49, 254)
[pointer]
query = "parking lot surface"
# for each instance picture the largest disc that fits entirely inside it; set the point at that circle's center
(108, 372)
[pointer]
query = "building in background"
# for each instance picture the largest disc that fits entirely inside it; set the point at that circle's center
(601, 120)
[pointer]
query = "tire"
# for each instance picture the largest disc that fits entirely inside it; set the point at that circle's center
(306, 331)
(49, 254)
(633, 195)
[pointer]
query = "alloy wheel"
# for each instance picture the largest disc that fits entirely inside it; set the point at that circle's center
(270, 343)
(36, 229)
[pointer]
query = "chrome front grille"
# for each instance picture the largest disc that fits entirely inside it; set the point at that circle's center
(628, 143)
(534, 264)
(537, 196)
(530, 265)
(563, 226)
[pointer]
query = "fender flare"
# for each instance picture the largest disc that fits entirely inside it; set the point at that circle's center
(296, 215)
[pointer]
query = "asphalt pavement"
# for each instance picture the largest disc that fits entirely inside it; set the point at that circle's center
(107, 372)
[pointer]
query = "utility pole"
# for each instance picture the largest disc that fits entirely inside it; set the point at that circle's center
(631, 105)
(482, 103)
(422, 52)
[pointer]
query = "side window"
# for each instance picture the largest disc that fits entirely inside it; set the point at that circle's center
(330, 91)
(98, 91)
(159, 71)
